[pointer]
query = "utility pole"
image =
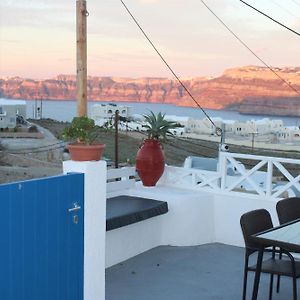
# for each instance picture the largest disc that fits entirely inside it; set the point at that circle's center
(252, 143)
(81, 38)
(41, 111)
(116, 139)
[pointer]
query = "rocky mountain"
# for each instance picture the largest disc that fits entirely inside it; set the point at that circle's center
(248, 89)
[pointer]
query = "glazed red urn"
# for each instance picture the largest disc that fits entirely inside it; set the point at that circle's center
(150, 162)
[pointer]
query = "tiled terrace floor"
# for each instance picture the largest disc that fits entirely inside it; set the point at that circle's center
(206, 272)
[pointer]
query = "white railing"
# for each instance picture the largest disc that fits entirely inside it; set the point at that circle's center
(271, 185)
(189, 178)
(234, 177)
(120, 179)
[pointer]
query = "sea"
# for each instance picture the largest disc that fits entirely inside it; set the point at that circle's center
(66, 110)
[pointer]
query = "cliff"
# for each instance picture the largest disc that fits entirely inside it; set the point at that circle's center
(247, 89)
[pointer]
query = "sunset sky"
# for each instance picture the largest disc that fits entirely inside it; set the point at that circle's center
(37, 37)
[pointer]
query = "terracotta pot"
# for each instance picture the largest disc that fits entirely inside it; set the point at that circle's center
(150, 162)
(82, 152)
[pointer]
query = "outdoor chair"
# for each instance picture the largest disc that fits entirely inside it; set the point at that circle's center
(252, 223)
(288, 210)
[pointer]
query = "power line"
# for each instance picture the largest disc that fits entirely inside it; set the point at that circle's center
(33, 151)
(35, 160)
(246, 46)
(183, 139)
(186, 140)
(60, 143)
(176, 146)
(286, 10)
(168, 66)
(270, 18)
(296, 2)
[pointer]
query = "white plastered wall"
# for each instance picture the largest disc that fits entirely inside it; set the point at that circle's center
(188, 222)
(94, 225)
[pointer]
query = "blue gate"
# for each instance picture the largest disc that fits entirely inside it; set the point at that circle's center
(41, 239)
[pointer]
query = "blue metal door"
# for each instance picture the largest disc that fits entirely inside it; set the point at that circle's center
(41, 239)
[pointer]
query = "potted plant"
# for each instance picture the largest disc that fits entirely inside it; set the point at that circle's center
(150, 160)
(83, 133)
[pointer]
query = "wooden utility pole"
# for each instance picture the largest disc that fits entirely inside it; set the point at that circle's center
(81, 37)
(117, 139)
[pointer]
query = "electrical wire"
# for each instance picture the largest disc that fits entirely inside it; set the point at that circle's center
(254, 8)
(35, 160)
(198, 152)
(247, 47)
(296, 2)
(31, 152)
(184, 139)
(175, 146)
(219, 130)
(286, 10)
(62, 144)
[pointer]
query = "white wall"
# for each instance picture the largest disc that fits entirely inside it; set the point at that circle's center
(188, 222)
(227, 213)
(94, 225)
(194, 218)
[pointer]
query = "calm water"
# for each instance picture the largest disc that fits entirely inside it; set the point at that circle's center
(66, 110)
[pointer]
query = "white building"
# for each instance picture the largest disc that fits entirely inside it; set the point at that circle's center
(101, 113)
(288, 134)
(9, 110)
(203, 126)
(261, 127)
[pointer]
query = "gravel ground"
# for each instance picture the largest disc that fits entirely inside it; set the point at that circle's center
(27, 158)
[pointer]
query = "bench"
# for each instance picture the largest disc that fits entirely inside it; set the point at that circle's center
(125, 210)
(122, 209)
(133, 221)
(181, 226)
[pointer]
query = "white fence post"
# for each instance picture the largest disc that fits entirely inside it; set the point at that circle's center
(94, 225)
(222, 170)
(269, 179)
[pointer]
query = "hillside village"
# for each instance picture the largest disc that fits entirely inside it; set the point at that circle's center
(265, 130)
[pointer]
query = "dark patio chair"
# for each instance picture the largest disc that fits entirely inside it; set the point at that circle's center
(288, 209)
(254, 222)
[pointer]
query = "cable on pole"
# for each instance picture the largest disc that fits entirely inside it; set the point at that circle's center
(264, 14)
(218, 130)
(246, 46)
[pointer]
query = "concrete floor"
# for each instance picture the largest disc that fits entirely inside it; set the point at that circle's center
(206, 272)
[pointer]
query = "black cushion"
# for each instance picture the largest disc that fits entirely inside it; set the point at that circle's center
(125, 210)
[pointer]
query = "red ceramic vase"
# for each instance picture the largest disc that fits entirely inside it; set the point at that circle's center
(150, 162)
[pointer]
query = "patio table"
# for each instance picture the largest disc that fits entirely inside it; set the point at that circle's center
(286, 236)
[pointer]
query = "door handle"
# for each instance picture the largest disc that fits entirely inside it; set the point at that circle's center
(75, 207)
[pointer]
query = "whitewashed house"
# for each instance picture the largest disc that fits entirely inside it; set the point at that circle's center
(267, 126)
(262, 127)
(9, 110)
(203, 126)
(288, 134)
(101, 113)
(244, 128)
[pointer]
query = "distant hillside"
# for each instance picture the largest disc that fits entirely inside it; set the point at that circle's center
(248, 89)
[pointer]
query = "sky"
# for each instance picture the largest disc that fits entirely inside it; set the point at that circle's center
(38, 37)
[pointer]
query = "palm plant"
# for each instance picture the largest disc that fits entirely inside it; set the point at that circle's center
(158, 127)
